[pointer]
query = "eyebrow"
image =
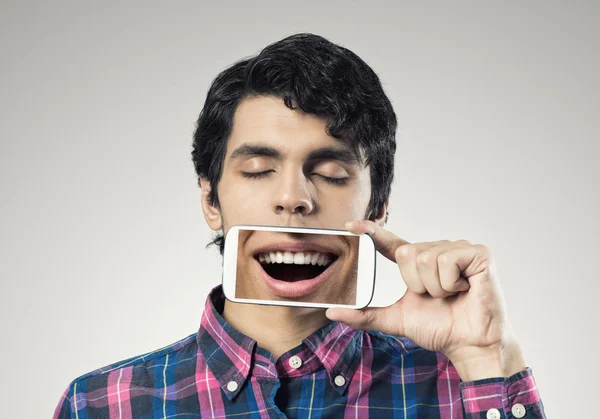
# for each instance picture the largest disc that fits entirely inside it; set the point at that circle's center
(251, 150)
(338, 154)
(325, 153)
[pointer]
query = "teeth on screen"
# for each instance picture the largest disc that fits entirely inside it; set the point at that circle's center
(288, 257)
(297, 258)
(313, 258)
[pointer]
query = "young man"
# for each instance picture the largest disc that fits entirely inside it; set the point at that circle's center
(302, 135)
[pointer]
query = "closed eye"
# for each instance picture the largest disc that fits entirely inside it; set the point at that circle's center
(254, 175)
(333, 180)
(328, 179)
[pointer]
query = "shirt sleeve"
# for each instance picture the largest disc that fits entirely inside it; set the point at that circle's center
(63, 410)
(503, 398)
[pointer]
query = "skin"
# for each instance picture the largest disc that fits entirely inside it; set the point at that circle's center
(453, 303)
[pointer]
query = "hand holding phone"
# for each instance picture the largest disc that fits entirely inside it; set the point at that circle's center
(302, 267)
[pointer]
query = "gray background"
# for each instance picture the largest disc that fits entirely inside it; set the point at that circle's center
(102, 236)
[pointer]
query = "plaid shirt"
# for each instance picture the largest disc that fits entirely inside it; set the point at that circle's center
(337, 372)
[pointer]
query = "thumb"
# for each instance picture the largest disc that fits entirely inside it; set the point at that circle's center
(381, 319)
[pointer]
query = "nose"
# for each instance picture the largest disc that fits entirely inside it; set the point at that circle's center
(293, 196)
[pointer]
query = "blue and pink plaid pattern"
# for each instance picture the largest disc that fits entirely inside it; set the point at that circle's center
(344, 373)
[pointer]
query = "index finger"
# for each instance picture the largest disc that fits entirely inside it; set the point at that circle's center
(386, 242)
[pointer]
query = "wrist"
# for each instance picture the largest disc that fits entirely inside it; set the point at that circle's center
(501, 360)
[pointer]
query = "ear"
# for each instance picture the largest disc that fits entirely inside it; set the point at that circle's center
(212, 214)
(381, 218)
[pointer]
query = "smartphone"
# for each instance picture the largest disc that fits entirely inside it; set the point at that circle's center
(299, 267)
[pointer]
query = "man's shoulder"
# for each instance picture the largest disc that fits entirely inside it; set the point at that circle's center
(401, 352)
(99, 378)
(397, 343)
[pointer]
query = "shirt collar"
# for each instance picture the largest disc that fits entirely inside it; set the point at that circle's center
(227, 352)
(338, 347)
(230, 354)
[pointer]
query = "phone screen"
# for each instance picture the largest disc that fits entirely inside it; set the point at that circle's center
(300, 267)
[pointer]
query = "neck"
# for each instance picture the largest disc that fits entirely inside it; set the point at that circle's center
(275, 328)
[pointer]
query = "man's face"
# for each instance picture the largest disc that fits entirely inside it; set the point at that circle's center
(281, 168)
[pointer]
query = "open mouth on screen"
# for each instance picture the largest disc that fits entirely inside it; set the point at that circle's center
(292, 267)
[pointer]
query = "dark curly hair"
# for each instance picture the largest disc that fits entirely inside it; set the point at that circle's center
(318, 77)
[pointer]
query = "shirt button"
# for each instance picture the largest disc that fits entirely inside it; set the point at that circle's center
(339, 381)
(295, 362)
(493, 414)
(232, 386)
(518, 411)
